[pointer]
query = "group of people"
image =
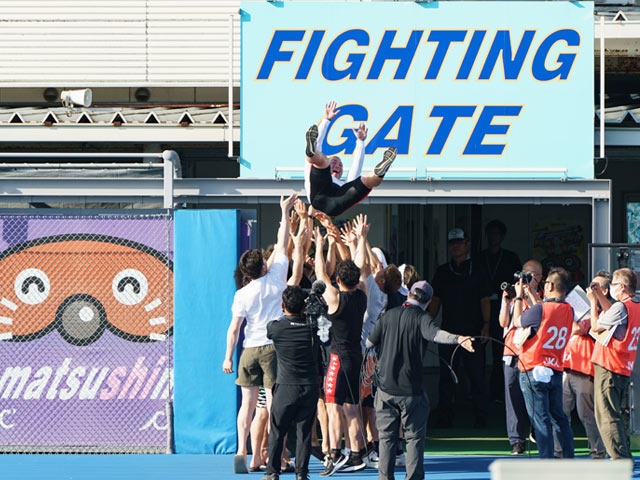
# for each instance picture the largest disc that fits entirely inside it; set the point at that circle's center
(362, 383)
(311, 382)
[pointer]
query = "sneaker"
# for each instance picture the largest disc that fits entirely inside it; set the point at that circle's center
(517, 449)
(401, 460)
(333, 465)
(387, 159)
(311, 136)
(352, 465)
(271, 476)
(300, 476)
(372, 459)
(327, 459)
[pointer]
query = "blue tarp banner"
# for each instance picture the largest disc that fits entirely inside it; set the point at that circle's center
(204, 397)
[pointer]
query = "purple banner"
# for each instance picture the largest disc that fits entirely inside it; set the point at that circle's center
(86, 323)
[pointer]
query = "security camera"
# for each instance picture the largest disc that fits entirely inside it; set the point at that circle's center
(71, 98)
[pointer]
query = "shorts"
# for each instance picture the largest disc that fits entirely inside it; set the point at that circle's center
(334, 199)
(257, 366)
(342, 383)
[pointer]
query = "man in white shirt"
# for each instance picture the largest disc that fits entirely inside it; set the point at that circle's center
(259, 302)
(327, 193)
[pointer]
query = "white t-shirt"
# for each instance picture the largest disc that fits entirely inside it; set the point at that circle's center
(376, 301)
(260, 302)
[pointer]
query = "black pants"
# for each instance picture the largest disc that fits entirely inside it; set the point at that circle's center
(474, 367)
(334, 199)
(292, 403)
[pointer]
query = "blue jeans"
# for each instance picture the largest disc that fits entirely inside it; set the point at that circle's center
(544, 406)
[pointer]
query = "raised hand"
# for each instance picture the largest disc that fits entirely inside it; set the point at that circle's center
(300, 208)
(294, 220)
(324, 219)
(361, 133)
(287, 203)
(330, 111)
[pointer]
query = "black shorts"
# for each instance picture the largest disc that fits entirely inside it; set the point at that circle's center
(334, 199)
(342, 383)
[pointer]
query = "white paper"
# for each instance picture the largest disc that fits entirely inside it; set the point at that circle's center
(577, 298)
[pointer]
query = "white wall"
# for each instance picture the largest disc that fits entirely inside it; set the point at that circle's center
(117, 42)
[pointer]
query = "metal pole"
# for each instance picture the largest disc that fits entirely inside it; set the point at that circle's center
(601, 87)
(169, 157)
(230, 94)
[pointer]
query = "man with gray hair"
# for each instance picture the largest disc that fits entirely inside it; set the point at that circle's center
(401, 337)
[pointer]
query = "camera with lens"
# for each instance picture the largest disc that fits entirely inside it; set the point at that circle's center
(317, 311)
(526, 277)
(510, 288)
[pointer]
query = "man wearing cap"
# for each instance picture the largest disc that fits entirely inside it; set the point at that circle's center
(461, 287)
(400, 338)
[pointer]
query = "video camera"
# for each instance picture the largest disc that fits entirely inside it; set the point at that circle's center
(317, 310)
(510, 287)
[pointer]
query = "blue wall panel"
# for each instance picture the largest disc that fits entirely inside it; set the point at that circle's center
(204, 396)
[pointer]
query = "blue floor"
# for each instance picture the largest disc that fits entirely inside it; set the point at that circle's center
(210, 467)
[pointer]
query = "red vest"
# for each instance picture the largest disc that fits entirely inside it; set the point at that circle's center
(546, 347)
(513, 349)
(510, 348)
(619, 355)
(577, 355)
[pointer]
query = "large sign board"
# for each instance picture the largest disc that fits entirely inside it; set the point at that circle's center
(86, 323)
(461, 89)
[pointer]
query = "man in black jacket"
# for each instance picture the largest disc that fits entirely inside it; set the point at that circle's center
(295, 393)
(401, 337)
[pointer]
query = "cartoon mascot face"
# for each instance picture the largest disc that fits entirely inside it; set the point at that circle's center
(80, 284)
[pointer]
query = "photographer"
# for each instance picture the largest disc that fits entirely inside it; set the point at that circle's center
(577, 380)
(401, 337)
(516, 411)
(540, 363)
(613, 363)
(295, 393)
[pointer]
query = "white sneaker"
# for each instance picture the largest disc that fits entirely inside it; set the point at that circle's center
(372, 459)
(401, 460)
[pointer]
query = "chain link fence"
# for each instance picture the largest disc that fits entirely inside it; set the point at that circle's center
(86, 323)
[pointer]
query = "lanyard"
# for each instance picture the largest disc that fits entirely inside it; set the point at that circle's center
(492, 273)
(457, 273)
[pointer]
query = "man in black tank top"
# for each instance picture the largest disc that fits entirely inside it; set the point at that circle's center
(347, 306)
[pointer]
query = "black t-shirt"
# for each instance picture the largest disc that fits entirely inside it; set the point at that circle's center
(499, 268)
(460, 289)
(395, 299)
(296, 346)
(401, 336)
(346, 323)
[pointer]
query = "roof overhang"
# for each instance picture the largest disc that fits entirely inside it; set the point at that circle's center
(258, 191)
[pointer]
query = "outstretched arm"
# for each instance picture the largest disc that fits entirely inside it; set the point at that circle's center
(299, 241)
(330, 113)
(358, 155)
(331, 294)
(283, 231)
